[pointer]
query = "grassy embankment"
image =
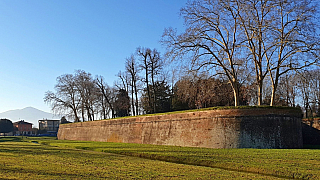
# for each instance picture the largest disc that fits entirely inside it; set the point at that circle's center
(31, 158)
(210, 108)
(218, 108)
(68, 160)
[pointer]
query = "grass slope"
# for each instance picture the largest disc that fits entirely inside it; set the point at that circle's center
(31, 160)
(206, 109)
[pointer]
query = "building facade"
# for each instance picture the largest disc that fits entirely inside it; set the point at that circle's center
(23, 128)
(50, 126)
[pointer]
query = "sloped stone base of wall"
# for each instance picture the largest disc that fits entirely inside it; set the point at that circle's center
(311, 131)
(229, 128)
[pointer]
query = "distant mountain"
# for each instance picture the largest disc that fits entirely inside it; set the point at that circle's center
(29, 114)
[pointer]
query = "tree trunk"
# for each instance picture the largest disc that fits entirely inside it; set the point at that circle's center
(235, 88)
(260, 86)
(273, 94)
(103, 108)
(154, 91)
(147, 83)
(137, 101)
(132, 98)
(92, 112)
(236, 97)
(274, 87)
(75, 115)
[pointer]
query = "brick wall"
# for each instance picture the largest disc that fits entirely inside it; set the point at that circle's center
(230, 128)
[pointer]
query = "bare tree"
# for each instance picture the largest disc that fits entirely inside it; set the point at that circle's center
(308, 84)
(67, 98)
(280, 36)
(144, 53)
(132, 69)
(88, 92)
(304, 82)
(287, 90)
(151, 63)
(316, 91)
(103, 111)
(255, 18)
(295, 38)
(124, 81)
(108, 94)
(155, 65)
(211, 39)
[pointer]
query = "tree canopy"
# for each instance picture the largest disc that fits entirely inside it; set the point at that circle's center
(6, 126)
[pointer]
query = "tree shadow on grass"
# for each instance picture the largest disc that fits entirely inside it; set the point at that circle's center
(10, 139)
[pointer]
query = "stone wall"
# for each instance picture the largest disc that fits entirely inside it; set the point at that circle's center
(311, 131)
(229, 128)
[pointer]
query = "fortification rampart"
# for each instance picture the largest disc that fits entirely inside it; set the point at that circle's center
(311, 131)
(228, 128)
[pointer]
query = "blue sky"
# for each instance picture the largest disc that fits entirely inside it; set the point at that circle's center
(41, 40)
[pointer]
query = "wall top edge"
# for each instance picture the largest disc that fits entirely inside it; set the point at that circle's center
(242, 112)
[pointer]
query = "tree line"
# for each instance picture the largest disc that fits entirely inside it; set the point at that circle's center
(86, 98)
(235, 52)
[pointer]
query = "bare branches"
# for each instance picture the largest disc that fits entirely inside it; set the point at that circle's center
(132, 69)
(78, 95)
(274, 35)
(211, 38)
(66, 97)
(107, 102)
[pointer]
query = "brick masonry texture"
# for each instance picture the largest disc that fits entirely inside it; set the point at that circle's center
(228, 128)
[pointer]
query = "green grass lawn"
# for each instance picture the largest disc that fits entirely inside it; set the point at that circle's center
(38, 158)
(31, 160)
(289, 163)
